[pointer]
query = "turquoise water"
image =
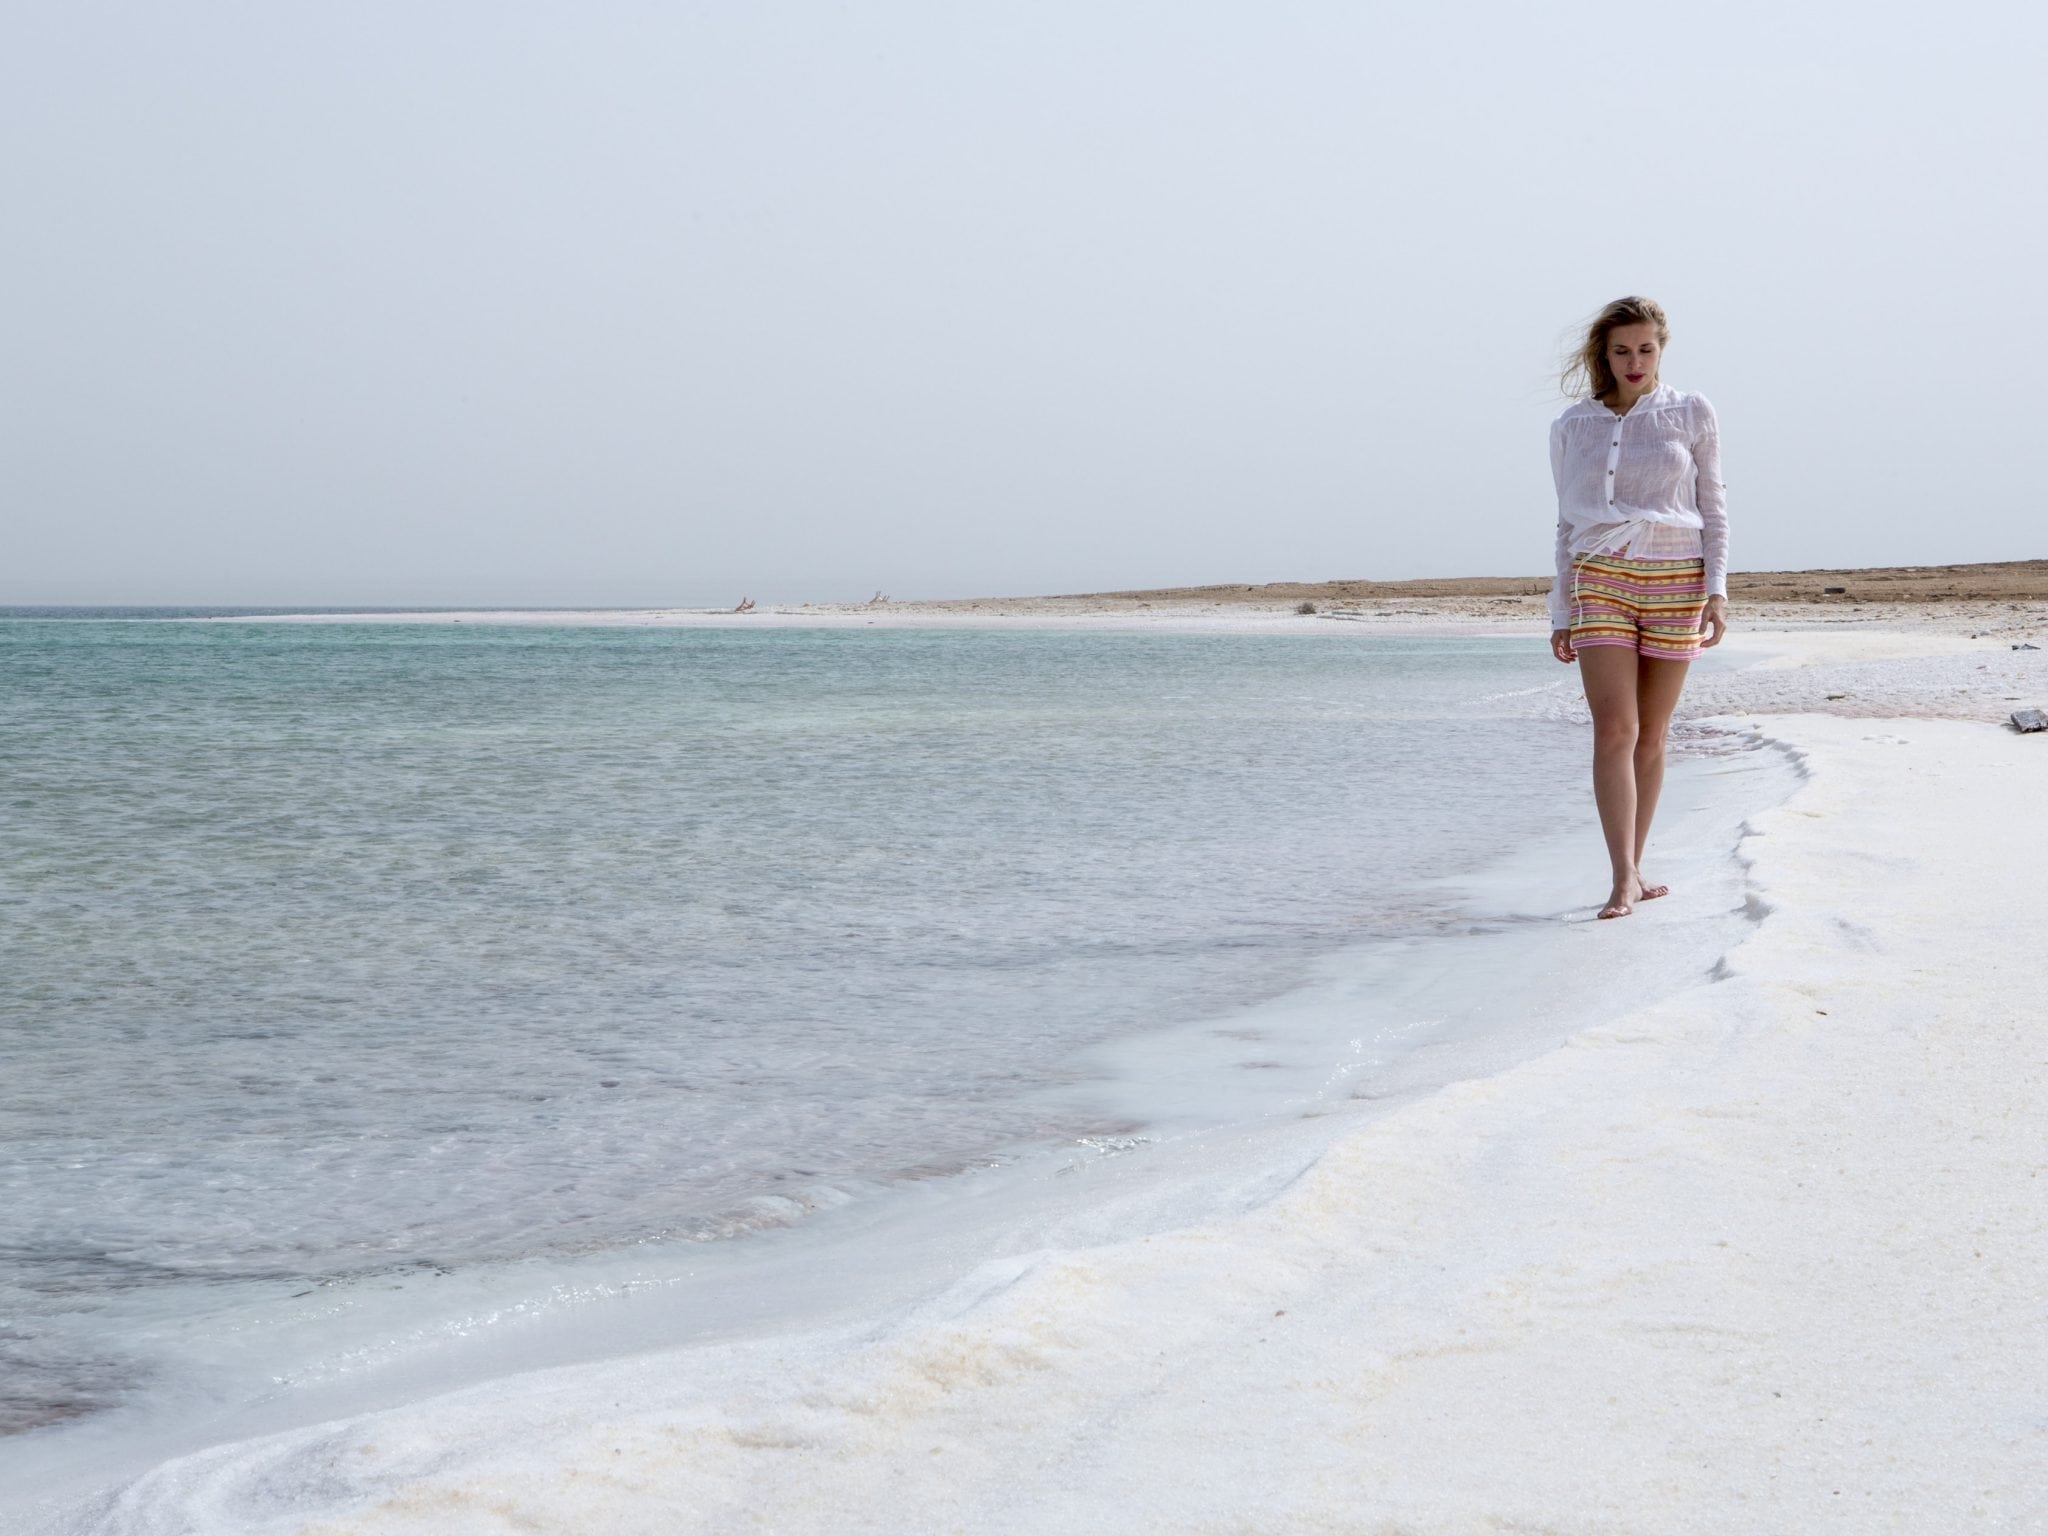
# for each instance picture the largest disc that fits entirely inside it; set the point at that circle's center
(334, 950)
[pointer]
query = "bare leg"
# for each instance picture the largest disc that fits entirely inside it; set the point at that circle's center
(1610, 675)
(1657, 688)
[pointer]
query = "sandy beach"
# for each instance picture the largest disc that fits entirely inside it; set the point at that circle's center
(1766, 1256)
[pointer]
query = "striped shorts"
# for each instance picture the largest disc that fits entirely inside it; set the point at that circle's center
(1651, 606)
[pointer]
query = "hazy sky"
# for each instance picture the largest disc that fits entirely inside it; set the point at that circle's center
(663, 303)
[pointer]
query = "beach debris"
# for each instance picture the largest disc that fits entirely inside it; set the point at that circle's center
(744, 605)
(1833, 591)
(1833, 696)
(2026, 645)
(1305, 608)
(2029, 720)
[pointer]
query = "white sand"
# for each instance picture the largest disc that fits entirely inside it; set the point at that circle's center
(1771, 1256)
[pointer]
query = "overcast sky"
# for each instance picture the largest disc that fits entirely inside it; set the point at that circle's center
(610, 303)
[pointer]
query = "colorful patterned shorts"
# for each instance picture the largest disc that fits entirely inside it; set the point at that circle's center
(1651, 606)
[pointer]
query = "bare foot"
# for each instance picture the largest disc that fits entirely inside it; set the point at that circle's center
(1651, 892)
(1623, 901)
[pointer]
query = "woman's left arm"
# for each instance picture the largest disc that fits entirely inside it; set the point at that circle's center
(1711, 496)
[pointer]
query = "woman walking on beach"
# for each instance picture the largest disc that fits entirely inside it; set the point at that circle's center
(1642, 563)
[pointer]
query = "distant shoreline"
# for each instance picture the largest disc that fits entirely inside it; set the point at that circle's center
(2007, 580)
(2003, 598)
(1459, 600)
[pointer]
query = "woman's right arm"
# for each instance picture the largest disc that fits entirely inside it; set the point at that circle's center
(1560, 587)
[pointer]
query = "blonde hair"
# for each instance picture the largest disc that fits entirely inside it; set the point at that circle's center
(1587, 373)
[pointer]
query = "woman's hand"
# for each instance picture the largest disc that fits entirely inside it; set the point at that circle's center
(1714, 620)
(1561, 645)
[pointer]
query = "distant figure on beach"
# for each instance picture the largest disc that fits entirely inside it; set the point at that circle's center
(745, 605)
(1642, 563)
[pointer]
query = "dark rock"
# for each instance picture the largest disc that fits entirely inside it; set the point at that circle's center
(2029, 720)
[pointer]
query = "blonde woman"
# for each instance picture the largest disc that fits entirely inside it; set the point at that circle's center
(1642, 563)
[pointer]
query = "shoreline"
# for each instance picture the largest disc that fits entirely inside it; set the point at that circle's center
(2009, 594)
(1346, 1026)
(1377, 1024)
(1560, 1287)
(1997, 600)
(1427, 615)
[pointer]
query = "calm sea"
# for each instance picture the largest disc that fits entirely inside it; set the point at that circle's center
(332, 950)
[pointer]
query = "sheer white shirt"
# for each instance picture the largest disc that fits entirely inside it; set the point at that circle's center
(1647, 484)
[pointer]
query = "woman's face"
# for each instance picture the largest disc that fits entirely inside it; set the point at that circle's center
(1633, 354)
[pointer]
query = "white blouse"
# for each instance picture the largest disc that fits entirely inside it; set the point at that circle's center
(1647, 484)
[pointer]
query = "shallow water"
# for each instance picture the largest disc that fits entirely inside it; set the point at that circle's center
(337, 951)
